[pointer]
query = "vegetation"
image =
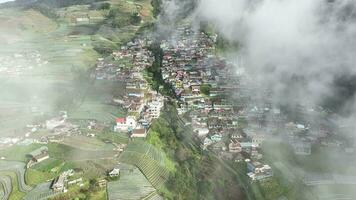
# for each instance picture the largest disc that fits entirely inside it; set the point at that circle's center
(127, 186)
(154, 73)
(195, 172)
(225, 45)
(205, 89)
(156, 4)
(114, 137)
(148, 159)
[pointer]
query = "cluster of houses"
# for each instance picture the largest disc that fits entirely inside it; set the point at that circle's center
(230, 112)
(126, 65)
(204, 83)
(20, 63)
(142, 104)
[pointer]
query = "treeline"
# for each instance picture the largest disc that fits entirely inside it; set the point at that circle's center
(157, 5)
(119, 18)
(154, 72)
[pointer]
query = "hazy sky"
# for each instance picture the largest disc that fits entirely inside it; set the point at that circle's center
(3, 1)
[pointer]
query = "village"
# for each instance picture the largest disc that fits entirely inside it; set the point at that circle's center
(211, 97)
(218, 103)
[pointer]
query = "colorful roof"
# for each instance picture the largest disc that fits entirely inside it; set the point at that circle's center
(120, 120)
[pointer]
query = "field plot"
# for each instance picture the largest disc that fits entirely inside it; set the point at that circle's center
(68, 153)
(40, 192)
(131, 186)
(12, 179)
(95, 104)
(86, 143)
(146, 149)
(15, 191)
(6, 187)
(148, 160)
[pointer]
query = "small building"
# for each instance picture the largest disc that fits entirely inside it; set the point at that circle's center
(235, 146)
(37, 156)
(257, 171)
(58, 184)
(202, 131)
(216, 138)
(115, 172)
(139, 133)
(125, 124)
(102, 183)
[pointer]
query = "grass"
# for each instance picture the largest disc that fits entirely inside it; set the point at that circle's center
(18, 152)
(35, 177)
(86, 143)
(113, 137)
(100, 195)
(68, 153)
(47, 165)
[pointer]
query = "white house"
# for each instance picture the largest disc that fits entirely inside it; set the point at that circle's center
(114, 173)
(154, 108)
(125, 124)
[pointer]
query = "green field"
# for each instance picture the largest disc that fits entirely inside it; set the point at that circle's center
(86, 143)
(148, 159)
(131, 186)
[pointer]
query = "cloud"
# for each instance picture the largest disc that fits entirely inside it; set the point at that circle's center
(306, 43)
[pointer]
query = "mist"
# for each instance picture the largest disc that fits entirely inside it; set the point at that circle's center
(302, 52)
(304, 43)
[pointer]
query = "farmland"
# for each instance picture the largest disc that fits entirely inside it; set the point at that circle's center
(149, 160)
(68, 49)
(132, 185)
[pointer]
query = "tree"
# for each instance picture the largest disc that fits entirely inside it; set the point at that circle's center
(205, 89)
(105, 6)
(135, 18)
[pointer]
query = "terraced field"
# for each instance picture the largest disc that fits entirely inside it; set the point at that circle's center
(131, 186)
(146, 149)
(6, 187)
(40, 192)
(148, 159)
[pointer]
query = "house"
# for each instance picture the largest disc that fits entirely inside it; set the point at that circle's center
(257, 139)
(102, 183)
(58, 184)
(125, 124)
(219, 146)
(235, 146)
(154, 108)
(257, 171)
(207, 141)
(37, 156)
(216, 138)
(202, 131)
(196, 89)
(139, 133)
(115, 172)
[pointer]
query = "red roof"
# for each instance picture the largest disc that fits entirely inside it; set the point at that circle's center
(120, 120)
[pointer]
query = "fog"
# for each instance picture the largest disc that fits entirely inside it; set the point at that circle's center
(302, 51)
(3, 1)
(287, 40)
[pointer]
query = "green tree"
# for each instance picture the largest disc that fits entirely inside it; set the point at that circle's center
(205, 89)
